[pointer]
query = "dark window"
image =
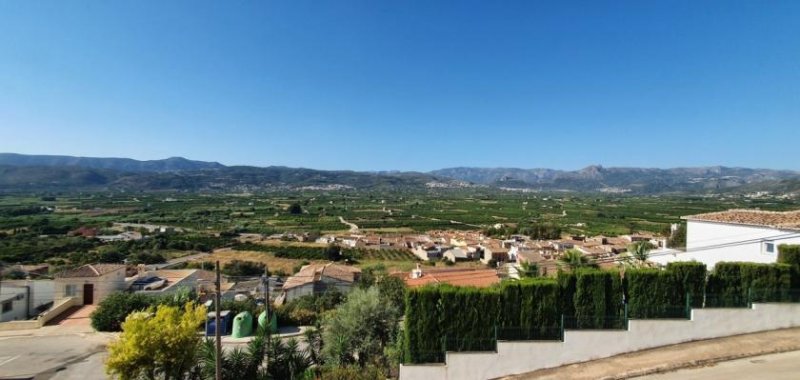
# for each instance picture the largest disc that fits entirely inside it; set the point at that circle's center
(8, 306)
(769, 247)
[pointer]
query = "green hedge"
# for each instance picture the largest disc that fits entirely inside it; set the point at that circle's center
(530, 310)
(735, 284)
(690, 279)
(598, 300)
(653, 293)
(789, 254)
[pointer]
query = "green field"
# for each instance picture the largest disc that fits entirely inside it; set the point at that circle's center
(34, 228)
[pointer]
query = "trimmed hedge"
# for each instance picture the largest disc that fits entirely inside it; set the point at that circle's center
(439, 318)
(789, 254)
(735, 284)
(690, 279)
(598, 300)
(653, 293)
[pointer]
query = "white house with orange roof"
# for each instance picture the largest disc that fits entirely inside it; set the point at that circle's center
(735, 235)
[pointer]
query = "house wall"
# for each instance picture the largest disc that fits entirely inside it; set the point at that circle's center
(704, 238)
(299, 291)
(19, 307)
(103, 286)
(579, 346)
(41, 291)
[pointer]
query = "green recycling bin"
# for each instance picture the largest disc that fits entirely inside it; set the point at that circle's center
(242, 325)
(273, 323)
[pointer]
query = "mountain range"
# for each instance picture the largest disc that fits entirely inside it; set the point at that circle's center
(66, 173)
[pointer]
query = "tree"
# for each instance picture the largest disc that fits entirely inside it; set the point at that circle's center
(157, 344)
(574, 259)
(295, 209)
(637, 254)
(360, 329)
(678, 238)
(528, 270)
(392, 290)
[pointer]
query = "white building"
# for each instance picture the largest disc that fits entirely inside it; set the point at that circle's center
(735, 235)
(91, 282)
(319, 278)
(23, 299)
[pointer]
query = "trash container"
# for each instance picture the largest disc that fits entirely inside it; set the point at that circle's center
(242, 325)
(273, 322)
(211, 323)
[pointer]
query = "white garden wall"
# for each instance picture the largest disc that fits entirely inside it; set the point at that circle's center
(579, 346)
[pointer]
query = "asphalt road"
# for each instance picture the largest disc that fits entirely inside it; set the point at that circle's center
(784, 366)
(45, 357)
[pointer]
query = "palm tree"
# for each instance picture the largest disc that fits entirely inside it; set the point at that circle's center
(574, 259)
(637, 255)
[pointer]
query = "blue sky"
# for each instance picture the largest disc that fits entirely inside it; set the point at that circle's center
(405, 85)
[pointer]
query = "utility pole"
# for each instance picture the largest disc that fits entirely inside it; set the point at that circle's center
(218, 326)
(266, 294)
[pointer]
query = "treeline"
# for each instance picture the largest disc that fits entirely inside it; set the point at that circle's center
(539, 309)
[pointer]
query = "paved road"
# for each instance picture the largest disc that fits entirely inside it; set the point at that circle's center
(44, 357)
(785, 366)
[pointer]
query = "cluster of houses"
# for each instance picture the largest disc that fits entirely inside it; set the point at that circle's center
(733, 235)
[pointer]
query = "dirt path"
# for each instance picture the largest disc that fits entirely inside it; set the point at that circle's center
(353, 227)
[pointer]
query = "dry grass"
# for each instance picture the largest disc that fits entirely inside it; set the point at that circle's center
(226, 255)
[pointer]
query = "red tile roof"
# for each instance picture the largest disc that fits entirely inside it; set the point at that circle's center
(458, 277)
(788, 220)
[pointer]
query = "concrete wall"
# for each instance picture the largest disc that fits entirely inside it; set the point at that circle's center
(700, 235)
(579, 346)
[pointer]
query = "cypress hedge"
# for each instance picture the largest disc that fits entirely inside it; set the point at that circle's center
(653, 293)
(598, 300)
(735, 284)
(789, 254)
(690, 279)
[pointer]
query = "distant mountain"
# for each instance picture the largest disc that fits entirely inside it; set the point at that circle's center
(635, 180)
(171, 164)
(63, 173)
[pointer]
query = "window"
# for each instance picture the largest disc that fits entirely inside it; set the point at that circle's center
(769, 247)
(8, 306)
(71, 291)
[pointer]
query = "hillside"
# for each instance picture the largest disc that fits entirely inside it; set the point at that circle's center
(64, 173)
(635, 180)
(171, 164)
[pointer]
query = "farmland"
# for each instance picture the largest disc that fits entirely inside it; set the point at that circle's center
(35, 227)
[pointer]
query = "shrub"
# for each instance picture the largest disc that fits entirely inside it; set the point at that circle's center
(691, 279)
(113, 310)
(789, 254)
(653, 293)
(734, 284)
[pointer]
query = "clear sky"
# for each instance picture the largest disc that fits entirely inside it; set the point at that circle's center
(405, 85)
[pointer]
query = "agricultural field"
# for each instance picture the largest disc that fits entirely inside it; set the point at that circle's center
(36, 228)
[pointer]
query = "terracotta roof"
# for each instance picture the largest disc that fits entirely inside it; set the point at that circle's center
(314, 272)
(91, 270)
(787, 220)
(480, 278)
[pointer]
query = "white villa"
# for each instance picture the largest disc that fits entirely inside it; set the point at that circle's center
(735, 235)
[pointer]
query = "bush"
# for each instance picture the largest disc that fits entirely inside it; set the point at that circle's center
(598, 300)
(113, 310)
(789, 254)
(735, 284)
(691, 279)
(653, 293)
